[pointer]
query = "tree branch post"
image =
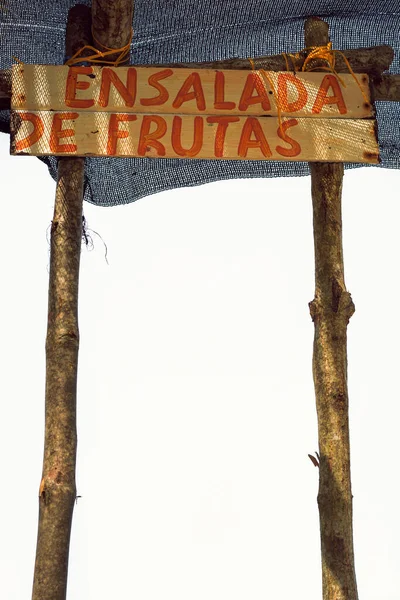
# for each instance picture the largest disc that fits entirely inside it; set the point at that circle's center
(112, 25)
(57, 491)
(331, 310)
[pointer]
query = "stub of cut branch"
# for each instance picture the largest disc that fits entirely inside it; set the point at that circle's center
(57, 492)
(331, 310)
(387, 88)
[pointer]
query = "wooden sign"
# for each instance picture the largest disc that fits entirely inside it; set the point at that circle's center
(191, 113)
(188, 91)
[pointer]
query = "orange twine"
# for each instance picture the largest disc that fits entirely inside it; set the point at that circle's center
(315, 52)
(322, 53)
(98, 55)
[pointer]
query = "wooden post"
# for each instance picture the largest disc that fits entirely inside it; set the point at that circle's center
(112, 24)
(57, 488)
(331, 310)
(57, 491)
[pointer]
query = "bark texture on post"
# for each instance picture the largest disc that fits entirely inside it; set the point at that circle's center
(112, 24)
(57, 488)
(373, 61)
(387, 88)
(331, 310)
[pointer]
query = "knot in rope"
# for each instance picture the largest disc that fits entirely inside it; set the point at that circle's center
(98, 55)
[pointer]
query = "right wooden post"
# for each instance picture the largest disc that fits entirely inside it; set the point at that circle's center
(331, 310)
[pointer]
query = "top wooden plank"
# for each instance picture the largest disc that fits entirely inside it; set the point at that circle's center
(189, 91)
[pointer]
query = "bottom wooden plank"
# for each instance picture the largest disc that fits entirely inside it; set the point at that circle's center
(193, 136)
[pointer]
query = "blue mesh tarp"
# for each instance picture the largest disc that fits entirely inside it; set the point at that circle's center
(168, 31)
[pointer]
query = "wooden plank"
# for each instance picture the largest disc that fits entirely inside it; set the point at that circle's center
(373, 61)
(190, 136)
(189, 91)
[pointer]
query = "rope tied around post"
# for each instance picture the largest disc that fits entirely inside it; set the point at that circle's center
(324, 52)
(98, 55)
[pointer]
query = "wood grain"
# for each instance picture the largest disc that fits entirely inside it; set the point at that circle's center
(189, 91)
(374, 61)
(190, 136)
(331, 310)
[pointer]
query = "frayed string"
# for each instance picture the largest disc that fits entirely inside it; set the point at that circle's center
(98, 55)
(314, 52)
(325, 53)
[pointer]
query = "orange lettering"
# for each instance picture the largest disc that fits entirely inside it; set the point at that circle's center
(163, 92)
(223, 123)
(295, 146)
(176, 137)
(73, 84)
(36, 134)
(219, 93)
(184, 95)
(114, 134)
(253, 125)
(127, 92)
(147, 139)
(57, 133)
(254, 82)
(283, 80)
(329, 81)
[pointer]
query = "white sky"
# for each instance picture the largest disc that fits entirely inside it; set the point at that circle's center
(196, 406)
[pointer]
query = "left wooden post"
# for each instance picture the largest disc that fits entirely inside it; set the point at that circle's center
(331, 311)
(57, 491)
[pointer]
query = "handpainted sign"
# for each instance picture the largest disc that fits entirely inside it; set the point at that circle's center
(188, 91)
(188, 136)
(186, 113)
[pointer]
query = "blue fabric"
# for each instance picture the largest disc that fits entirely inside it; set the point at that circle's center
(197, 30)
